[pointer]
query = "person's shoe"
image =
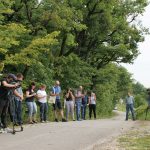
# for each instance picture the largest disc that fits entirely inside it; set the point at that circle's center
(42, 121)
(34, 121)
(2, 130)
(74, 120)
(56, 120)
(16, 124)
(46, 121)
(8, 130)
(31, 122)
(64, 120)
(79, 120)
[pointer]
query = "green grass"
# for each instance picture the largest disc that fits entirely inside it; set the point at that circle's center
(135, 140)
(121, 107)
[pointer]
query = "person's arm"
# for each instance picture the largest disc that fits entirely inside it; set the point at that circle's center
(52, 92)
(95, 97)
(18, 94)
(89, 99)
(72, 96)
(28, 94)
(67, 95)
(9, 85)
(40, 96)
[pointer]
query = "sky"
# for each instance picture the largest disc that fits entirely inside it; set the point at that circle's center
(141, 67)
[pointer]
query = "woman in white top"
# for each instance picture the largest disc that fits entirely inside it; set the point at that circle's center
(92, 105)
(42, 100)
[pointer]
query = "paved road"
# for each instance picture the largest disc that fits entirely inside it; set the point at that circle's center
(65, 136)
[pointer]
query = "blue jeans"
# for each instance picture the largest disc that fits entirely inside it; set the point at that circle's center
(18, 112)
(43, 111)
(129, 107)
(83, 111)
(78, 108)
(32, 108)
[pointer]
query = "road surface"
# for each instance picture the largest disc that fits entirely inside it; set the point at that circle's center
(77, 135)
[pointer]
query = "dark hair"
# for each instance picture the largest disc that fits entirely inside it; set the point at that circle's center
(31, 84)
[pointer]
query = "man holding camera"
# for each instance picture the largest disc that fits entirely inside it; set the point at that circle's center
(6, 88)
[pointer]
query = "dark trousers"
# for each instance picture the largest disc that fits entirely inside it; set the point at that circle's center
(92, 107)
(4, 104)
(18, 112)
(129, 107)
(43, 111)
(83, 111)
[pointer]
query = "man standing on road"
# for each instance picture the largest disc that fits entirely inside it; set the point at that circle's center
(56, 91)
(130, 106)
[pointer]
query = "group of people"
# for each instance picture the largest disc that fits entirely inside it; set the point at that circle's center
(11, 97)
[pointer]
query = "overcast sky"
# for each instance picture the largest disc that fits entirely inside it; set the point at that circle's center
(141, 67)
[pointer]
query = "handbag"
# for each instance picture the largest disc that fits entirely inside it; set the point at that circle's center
(52, 99)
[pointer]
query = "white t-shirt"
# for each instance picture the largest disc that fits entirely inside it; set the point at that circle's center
(92, 100)
(42, 93)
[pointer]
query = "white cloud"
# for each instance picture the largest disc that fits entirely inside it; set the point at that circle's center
(141, 67)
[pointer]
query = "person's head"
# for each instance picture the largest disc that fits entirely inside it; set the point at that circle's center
(129, 93)
(11, 77)
(57, 83)
(85, 92)
(81, 87)
(32, 85)
(148, 91)
(19, 77)
(69, 90)
(92, 94)
(43, 87)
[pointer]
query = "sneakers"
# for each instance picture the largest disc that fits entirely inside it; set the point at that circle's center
(2, 131)
(34, 121)
(8, 130)
(56, 120)
(64, 120)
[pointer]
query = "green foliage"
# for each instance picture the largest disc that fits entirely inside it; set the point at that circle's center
(77, 42)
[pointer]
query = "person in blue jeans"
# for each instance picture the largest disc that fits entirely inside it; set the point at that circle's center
(78, 101)
(18, 101)
(130, 106)
(30, 102)
(84, 105)
(42, 101)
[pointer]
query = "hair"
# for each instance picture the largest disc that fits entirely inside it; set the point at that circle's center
(31, 84)
(19, 75)
(42, 86)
